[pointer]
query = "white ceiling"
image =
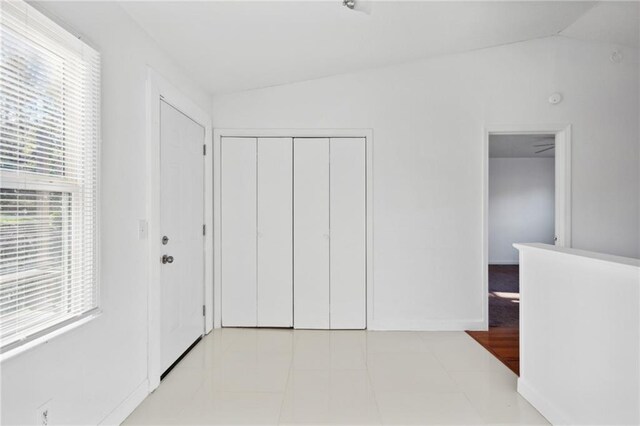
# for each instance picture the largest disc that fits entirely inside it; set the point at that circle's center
(520, 146)
(238, 45)
(613, 22)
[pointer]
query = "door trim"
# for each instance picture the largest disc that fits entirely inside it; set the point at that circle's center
(562, 134)
(158, 88)
(218, 134)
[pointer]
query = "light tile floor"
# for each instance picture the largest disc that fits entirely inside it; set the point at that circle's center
(263, 376)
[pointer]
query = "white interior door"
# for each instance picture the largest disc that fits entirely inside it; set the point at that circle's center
(181, 221)
(348, 233)
(275, 240)
(238, 232)
(311, 233)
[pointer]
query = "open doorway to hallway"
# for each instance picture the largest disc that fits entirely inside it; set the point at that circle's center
(521, 209)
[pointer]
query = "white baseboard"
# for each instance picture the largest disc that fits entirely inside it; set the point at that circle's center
(126, 407)
(504, 262)
(426, 325)
(540, 403)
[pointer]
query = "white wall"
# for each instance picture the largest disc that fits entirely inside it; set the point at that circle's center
(592, 376)
(521, 205)
(427, 119)
(91, 370)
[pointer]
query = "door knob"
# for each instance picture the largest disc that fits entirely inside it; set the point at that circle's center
(167, 259)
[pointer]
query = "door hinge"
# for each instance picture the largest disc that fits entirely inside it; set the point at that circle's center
(204, 149)
(204, 229)
(204, 310)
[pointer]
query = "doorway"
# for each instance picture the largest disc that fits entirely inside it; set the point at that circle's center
(521, 210)
(526, 200)
(180, 208)
(181, 226)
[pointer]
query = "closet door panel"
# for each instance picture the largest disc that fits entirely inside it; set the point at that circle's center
(311, 233)
(275, 239)
(348, 233)
(238, 232)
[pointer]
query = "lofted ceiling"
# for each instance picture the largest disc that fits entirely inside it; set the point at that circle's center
(611, 21)
(521, 146)
(237, 45)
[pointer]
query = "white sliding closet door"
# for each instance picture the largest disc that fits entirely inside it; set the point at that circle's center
(275, 240)
(348, 233)
(238, 232)
(311, 233)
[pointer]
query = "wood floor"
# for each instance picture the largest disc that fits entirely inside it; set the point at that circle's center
(503, 337)
(503, 343)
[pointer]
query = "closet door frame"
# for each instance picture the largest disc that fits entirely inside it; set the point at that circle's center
(218, 134)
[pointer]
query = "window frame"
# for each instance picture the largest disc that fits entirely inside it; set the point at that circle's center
(73, 52)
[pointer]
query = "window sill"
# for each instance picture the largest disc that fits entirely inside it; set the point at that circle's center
(47, 337)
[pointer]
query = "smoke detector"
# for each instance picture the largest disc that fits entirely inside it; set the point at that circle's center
(616, 57)
(555, 98)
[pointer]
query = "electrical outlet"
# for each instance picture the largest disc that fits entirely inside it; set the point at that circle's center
(43, 414)
(44, 417)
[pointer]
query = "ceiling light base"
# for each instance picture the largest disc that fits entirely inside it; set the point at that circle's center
(555, 98)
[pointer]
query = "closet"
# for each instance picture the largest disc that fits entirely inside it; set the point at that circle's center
(293, 232)
(256, 232)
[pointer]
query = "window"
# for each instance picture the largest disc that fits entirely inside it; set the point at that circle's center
(49, 132)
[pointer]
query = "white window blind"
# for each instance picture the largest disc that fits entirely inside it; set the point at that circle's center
(49, 133)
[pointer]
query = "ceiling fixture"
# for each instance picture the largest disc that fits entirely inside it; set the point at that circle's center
(358, 5)
(616, 57)
(545, 147)
(545, 142)
(555, 98)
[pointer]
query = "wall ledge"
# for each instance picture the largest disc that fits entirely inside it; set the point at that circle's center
(601, 257)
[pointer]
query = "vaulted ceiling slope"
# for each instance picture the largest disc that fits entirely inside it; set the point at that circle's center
(611, 21)
(238, 45)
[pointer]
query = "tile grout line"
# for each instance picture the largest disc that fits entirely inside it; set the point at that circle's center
(373, 390)
(286, 386)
